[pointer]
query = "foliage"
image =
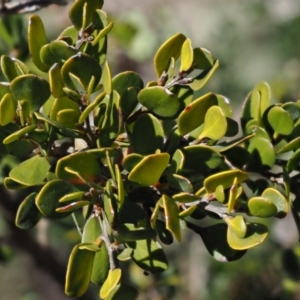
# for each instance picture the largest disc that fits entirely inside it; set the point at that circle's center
(140, 162)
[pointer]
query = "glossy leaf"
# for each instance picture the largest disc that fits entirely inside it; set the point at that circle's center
(12, 67)
(131, 160)
(91, 233)
(82, 66)
(36, 40)
(237, 225)
(261, 207)
(31, 88)
(56, 81)
(171, 216)
(125, 254)
(262, 154)
(180, 183)
(77, 15)
(185, 197)
(225, 178)
(293, 162)
(131, 233)
(7, 109)
(147, 125)
(218, 246)
(200, 80)
(163, 233)
(127, 84)
(123, 291)
(280, 120)
(194, 114)
(233, 195)
(277, 199)
(170, 48)
(198, 158)
(149, 256)
(31, 172)
(47, 199)
(149, 169)
(28, 214)
(65, 111)
(187, 56)
(79, 271)
(160, 101)
(84, 163)
(113, 278)
(256, 234)
(256, 103)
(215, 124)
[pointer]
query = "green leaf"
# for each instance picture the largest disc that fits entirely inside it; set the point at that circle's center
(72, 206)
(131, 160)
(12, 67)
(149, 169)
(256, 234)
(262, 154)
(82, 12)
(106, 79)
(28, 214)
(180, 183)
(199, 158)
(82, 66)
(31, 172)
(127, 84)
(224, 178)
(194, 114)
(91, 234)
(187, 56)
(102, 33)
(31, 88)
(200, 80)
(293, 162)
(84, 163)
(237, 225)
(218, 246)
(149, 256)
(7, 109)
(123, 291)
(261, 207)
(113, 278)
(56, 81)
(203, 59)
(292, 145)
(277, 199)
(160, 101)
(170, 48)
(79, 271)
(47, 200)
(130, 233)
(126, 254)
(171, 216)
(65, 112)
(147, 125)
(280, 120)
(18, 134)
(256, 103)
(61, 50)
(36, 40)
(163, 233)
(215, 124)
(120, 186)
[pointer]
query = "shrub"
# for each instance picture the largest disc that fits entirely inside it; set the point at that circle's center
(140, 163)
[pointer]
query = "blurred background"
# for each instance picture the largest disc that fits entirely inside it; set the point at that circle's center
(254, 41)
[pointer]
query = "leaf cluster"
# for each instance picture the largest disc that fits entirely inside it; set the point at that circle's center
(141, 162)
